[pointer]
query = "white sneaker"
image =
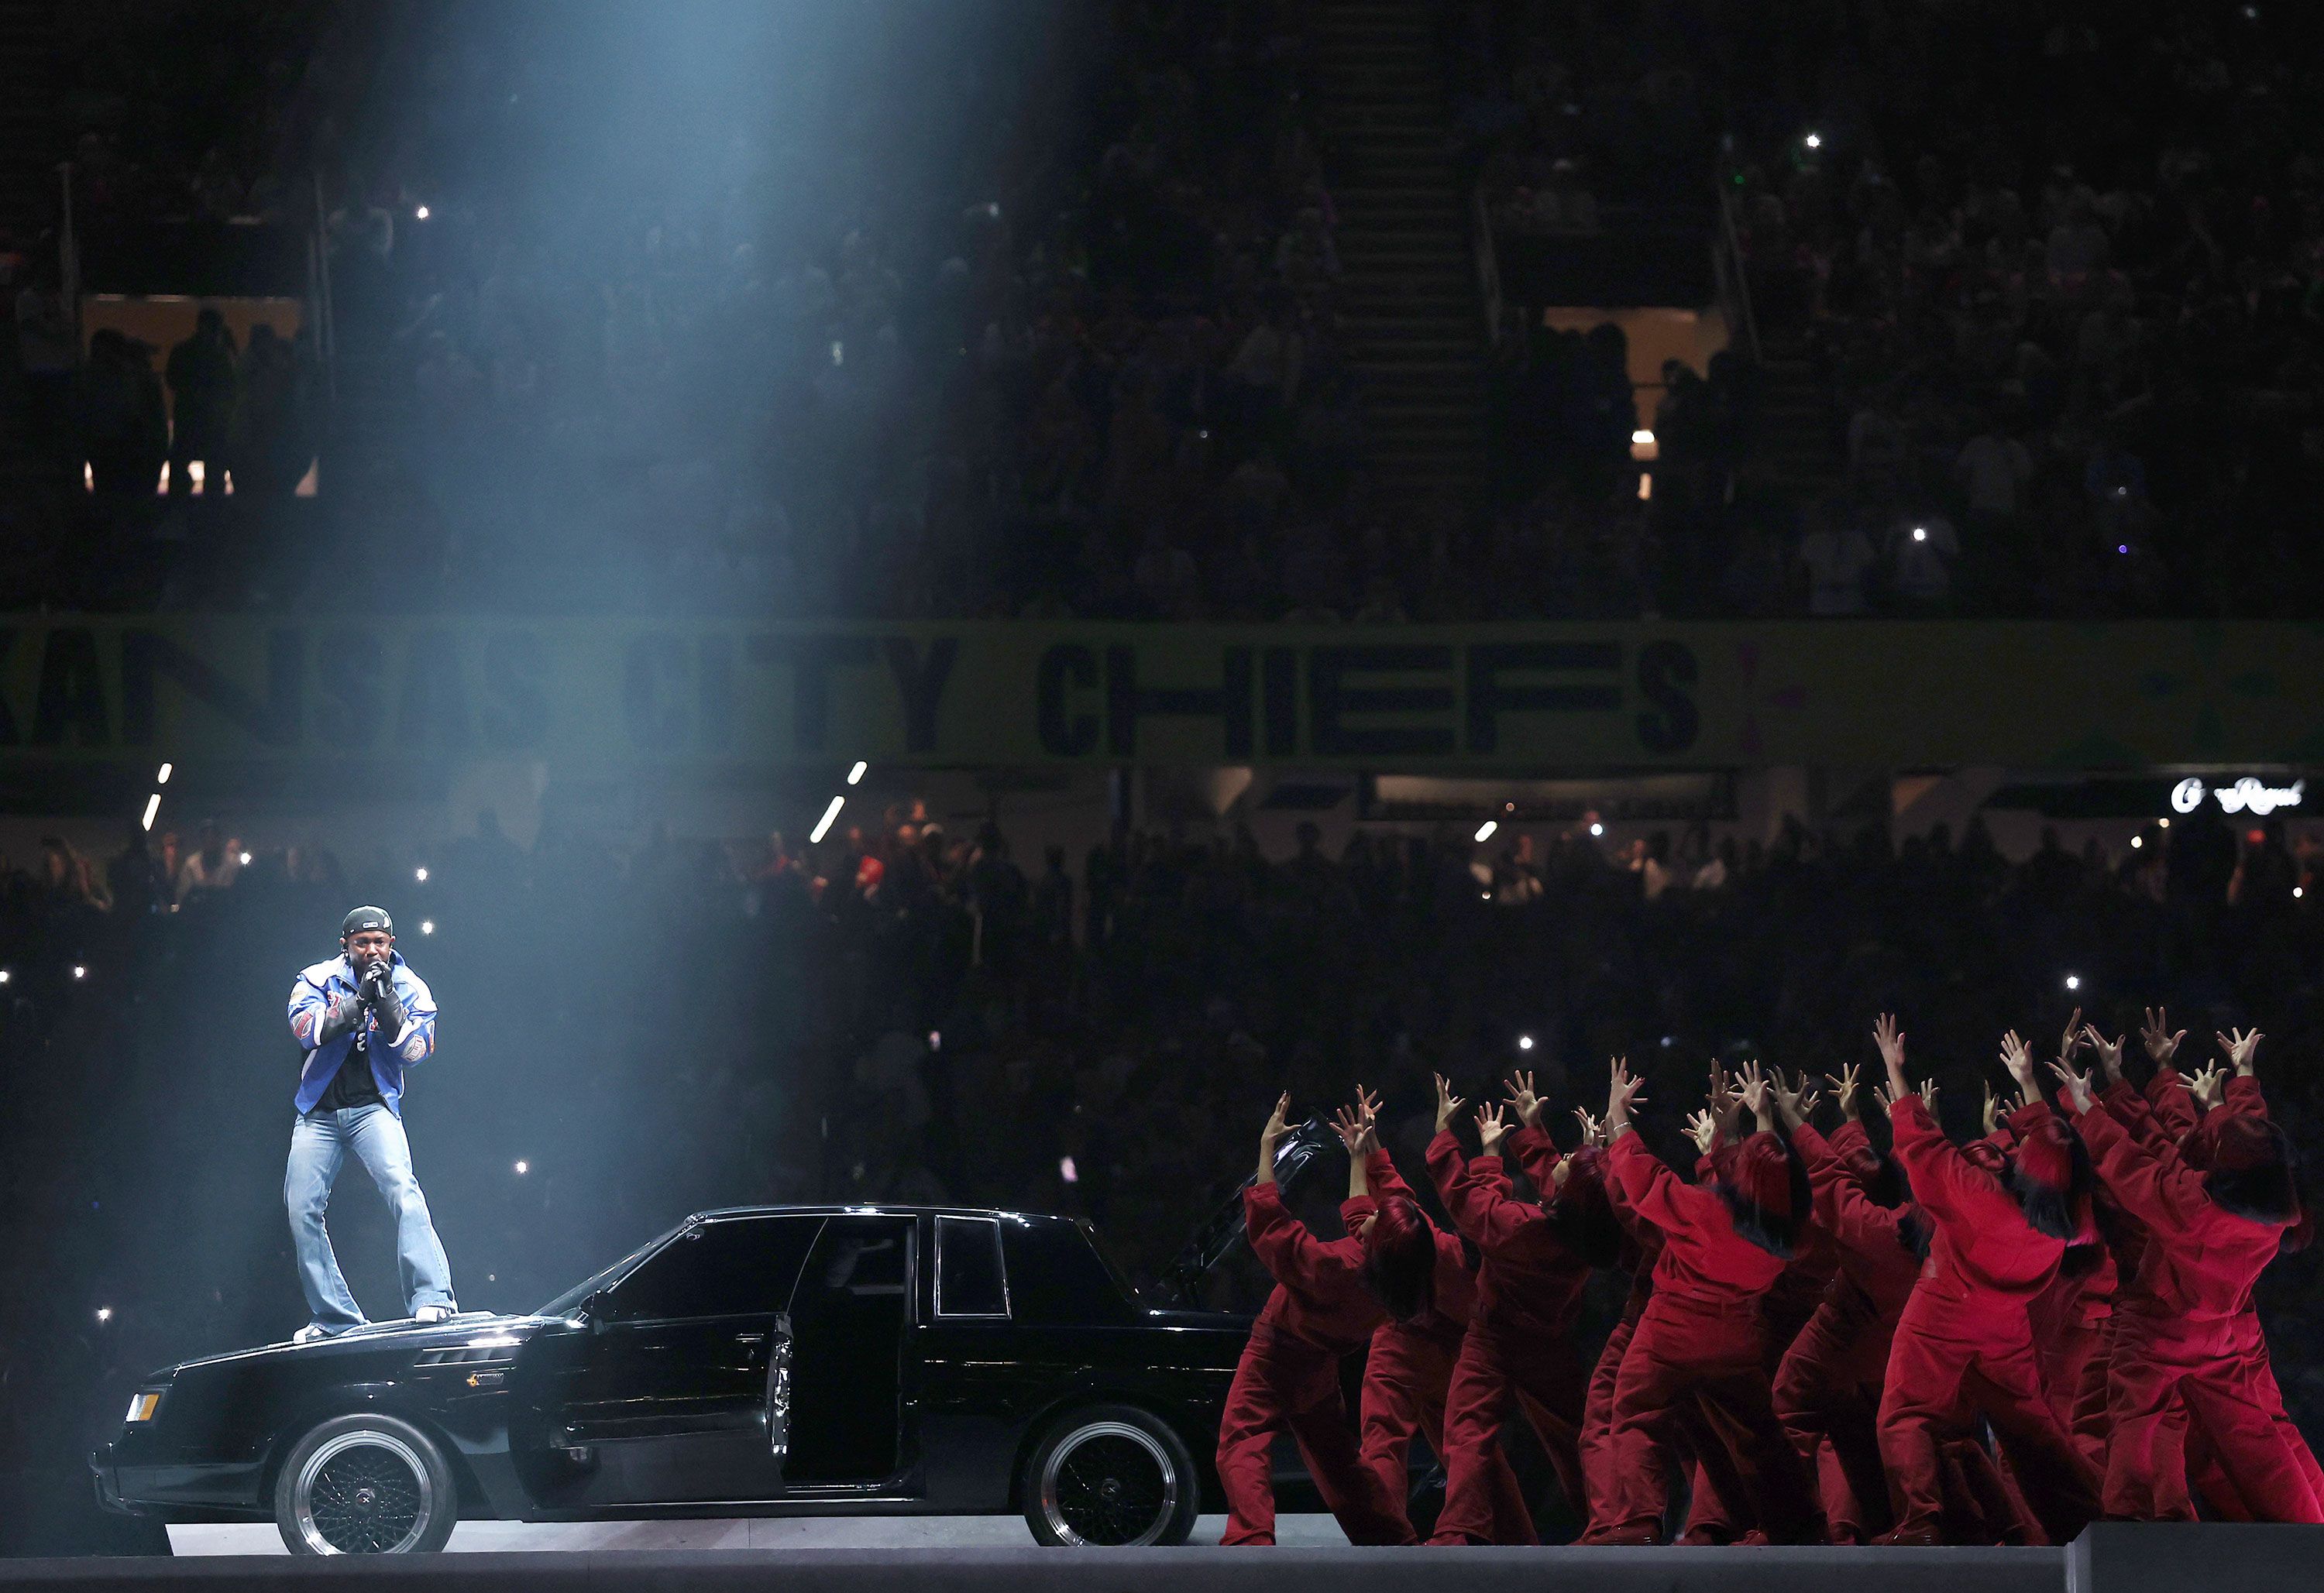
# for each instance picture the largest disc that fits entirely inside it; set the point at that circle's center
(308, 1334)
(433, 1314)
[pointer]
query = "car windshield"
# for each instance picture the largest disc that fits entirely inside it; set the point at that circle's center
(570, 1301)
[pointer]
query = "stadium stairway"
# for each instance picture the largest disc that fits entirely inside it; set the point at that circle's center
(1408, 276)
(1800, 433)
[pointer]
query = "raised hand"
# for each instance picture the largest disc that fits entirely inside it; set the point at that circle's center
(1522, 1099)
(1491, 1125)
(1621, 1091)
(1796, 1103)
(2242, 1046)
(2162, 1045)
(1277, 1126)
(2071, 1041)
(1844, 1087)
(2078, 1086)
(2017, 1056)
(1929, 1095)
(1991, 1117)
(1703, 1129)
(1277, 1121)
(1754, 1094)
(1447, 1103)
(1890, 1042)
(1593, 1132)
(2210, 1086)
(1353, 1124)
(1721, 1098)
(1803, 1102)
(2109, 1052)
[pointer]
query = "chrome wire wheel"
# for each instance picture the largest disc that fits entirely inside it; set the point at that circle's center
(1109, 1484)
(363, 1493)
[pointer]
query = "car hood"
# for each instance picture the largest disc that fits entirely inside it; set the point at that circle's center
(451, 1333)
(1297, 1157)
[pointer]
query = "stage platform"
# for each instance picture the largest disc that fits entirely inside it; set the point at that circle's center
(2106, 1560)
(759, 1533)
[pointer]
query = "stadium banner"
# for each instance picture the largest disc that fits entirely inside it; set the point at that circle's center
(606, 695)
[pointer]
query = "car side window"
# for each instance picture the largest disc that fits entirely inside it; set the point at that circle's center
(724, 1266)
(970, 1280)
(859, 1257)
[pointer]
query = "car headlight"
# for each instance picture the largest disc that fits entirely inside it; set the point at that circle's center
(143, 1403)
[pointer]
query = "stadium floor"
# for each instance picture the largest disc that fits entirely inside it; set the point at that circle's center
(953, 1555)
(807, 1531)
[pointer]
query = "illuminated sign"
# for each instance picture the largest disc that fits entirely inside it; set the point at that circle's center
(2246, 796)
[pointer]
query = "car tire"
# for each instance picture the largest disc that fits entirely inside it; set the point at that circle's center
(1109, 1475)
(365, 1485)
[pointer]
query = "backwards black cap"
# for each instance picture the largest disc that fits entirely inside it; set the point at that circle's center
(366, 918)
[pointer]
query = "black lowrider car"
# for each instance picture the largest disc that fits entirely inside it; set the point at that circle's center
(762, 1360)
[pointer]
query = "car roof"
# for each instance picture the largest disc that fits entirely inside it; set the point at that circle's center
(876, 1209)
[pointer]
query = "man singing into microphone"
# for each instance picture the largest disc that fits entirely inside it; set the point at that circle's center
(362, 1018)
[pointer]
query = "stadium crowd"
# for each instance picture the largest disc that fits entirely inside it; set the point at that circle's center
(1072, 314)
(1090, 360)
(2085, 334)
(912, 1013)
(2054, 274)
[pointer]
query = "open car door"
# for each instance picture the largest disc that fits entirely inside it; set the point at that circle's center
(670, 1387)
(840, 1412)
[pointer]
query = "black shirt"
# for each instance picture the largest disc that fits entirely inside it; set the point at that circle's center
(352, 1084)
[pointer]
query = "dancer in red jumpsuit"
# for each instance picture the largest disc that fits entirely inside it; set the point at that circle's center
(2170, 1114)
(1826, 1391)
(2125, 1236)
(1288, 1379)
(1636, 1245)
(1786, 1311)
(2162, 1120)
(2072, 1318)
(2189, 1342)
(1696, 1363)
(1639, 1243)
(2166, 1094)
(1964, 1345)
(1520, 1341)
(1421, 1276)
